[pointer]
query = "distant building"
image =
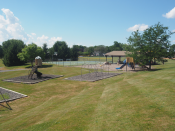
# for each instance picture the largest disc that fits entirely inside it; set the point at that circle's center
(96, 53)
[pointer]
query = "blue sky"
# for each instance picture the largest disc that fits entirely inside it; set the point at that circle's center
(82, 22)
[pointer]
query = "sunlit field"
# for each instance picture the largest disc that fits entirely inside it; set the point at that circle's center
(132, 101)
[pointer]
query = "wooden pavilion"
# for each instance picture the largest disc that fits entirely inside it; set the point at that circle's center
(116, 54)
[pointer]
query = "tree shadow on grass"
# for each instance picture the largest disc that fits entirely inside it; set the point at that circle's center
(43, 66)
(8, 107)
(147, 70)
(155, 69)
(46, 66)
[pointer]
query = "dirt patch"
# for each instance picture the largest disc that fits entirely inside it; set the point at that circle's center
(34, 80)
(113, 67)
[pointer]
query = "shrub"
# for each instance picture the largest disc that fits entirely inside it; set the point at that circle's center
(10, 50)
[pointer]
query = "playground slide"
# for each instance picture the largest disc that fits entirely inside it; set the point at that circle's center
(124, 63)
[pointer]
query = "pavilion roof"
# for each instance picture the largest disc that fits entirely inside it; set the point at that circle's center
(116, 53)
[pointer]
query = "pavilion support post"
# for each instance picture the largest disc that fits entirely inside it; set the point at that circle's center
(126, 64)
(119, 58)
(106, 58)
(112, 59)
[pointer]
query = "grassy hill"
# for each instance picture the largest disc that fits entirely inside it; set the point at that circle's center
(132, 101)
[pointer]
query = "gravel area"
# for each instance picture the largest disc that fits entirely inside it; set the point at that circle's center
(12, 94)
(12, 70)
(92, 77)
(113, 67)
(34, 80)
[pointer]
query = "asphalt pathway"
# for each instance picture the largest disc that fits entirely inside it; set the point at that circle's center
(12, 70)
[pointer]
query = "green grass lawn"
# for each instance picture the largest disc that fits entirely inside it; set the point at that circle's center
(143, 100)
(3, 67)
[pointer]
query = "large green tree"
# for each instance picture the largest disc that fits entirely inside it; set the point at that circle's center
(45, 49)
(152, 44)
(51, 52)
(172, 50)
(74, 53)
(126, 47)
(30, 52)
(81, 49)
(62, 49)
(1, 52)
(101, 49)
(117, 46)
(10, 50)
(90, 50)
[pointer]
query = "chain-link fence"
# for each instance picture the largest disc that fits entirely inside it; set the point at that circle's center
(82, 60)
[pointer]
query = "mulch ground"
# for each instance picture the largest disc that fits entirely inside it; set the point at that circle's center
(92, 77)
(34, 80)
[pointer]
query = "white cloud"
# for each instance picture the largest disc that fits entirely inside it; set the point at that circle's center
(173, 30)
(10, 18)
(33, 33)
(53, 40)
(139, 27)
(45, 39)
(134, 28)
(11, 29)
(42, 38)
(170, 14)
(143, 27)
(173, 40)
(2, 20)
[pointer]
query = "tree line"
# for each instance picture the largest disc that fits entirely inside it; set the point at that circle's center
(152, 44)
(101, 49)
(15, 52)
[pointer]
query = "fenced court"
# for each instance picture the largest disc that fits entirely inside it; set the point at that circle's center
(73, 63)
(101, 59)
(84, 60)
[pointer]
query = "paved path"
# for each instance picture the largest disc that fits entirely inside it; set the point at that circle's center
(12, 70)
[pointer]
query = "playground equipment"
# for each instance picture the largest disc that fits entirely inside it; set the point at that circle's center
(124, 63)
(95, 68)
(129, 61)
(32, 71)
(38, 61)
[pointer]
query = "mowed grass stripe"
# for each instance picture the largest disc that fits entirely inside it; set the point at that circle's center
(98, 117)
(39, 110)
(134, 103)
(43, 107)
(160, 98)
(81, 106)
(114, 109)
